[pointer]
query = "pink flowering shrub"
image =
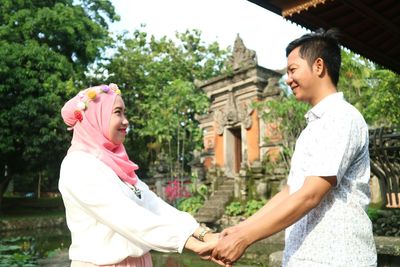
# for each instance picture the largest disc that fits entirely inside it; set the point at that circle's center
(174, 191)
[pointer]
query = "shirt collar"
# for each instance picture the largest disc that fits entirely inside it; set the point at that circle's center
(325, 104)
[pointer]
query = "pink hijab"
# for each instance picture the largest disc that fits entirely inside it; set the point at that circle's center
(88, 114)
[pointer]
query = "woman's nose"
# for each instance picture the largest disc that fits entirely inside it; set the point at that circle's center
(125, 121)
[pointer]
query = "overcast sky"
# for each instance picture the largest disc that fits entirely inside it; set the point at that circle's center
(218, 20)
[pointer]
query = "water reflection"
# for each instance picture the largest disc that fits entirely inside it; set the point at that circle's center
(42, 241)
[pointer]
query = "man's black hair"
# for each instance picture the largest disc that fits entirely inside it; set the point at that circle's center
(320, 44)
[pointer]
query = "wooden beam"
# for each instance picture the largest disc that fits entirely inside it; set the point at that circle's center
(312, 22)
(368, 12)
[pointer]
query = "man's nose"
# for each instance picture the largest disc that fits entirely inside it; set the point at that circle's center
(289, 80)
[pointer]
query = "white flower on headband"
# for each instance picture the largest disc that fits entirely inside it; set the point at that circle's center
(81, 105)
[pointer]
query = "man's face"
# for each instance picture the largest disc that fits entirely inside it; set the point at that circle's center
(300, 76)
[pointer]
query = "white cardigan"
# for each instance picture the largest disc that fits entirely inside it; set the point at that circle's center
(108, 222)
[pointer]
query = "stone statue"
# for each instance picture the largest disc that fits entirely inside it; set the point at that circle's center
(242, 56)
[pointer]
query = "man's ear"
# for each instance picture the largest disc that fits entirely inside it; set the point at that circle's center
(319, 66)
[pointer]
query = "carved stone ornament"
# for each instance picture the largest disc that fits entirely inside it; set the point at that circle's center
(232, 115)
(245, 116)
(242, 56)
(272, 87)
(220, 119)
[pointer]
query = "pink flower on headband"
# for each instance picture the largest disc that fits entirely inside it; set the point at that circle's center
(114, 87)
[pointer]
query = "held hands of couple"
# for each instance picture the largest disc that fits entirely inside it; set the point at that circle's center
(224, 248)
(231, 246)
(204, 246)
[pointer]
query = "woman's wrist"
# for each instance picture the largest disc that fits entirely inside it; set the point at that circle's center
(201, 232)
(193, 244)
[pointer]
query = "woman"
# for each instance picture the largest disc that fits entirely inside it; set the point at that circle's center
(114, 219)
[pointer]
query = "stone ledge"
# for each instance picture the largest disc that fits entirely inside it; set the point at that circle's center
(60, 260)
(31, 223)
(388, 245)
(385, 245)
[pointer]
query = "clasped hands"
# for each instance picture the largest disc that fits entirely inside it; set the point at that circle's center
(224, 248)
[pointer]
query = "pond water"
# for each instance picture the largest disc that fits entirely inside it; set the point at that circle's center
(45, 242)
(42, 243)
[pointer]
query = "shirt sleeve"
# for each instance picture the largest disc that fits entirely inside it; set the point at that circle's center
(333, 148)
(95, 189)
(162, 208)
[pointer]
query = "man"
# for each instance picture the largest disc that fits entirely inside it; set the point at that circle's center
(323, 204)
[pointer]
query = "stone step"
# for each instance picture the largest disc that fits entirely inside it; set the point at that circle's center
(214, 207)
(225, 188)
(211, 210)
(224, 191)
(224, 197)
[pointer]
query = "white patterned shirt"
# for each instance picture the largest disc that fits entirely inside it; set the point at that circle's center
(338, 231)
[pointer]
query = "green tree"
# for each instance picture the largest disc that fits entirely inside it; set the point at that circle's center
(287, 114)
(45, 47)
(157, 79)
(374, 91)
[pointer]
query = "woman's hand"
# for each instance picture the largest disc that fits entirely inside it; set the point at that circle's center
(204, 249)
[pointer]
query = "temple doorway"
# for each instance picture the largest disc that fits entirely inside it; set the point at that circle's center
(234, 149)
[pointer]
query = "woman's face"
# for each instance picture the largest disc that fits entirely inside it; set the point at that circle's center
(118, 122)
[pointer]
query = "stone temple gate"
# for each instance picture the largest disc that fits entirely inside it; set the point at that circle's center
(234, 134)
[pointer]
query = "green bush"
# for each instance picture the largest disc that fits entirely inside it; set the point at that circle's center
(373, 213)
(191, 204)
(252, 206)
(236, 208)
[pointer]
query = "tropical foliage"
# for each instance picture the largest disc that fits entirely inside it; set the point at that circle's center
(198, 195)
(373, 90)
(237, 208)
(157, 78)
(52, 49)
(45, 47)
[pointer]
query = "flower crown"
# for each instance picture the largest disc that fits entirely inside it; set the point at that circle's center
(91, 94)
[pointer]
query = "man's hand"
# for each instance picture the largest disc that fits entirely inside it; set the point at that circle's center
(231, 246)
